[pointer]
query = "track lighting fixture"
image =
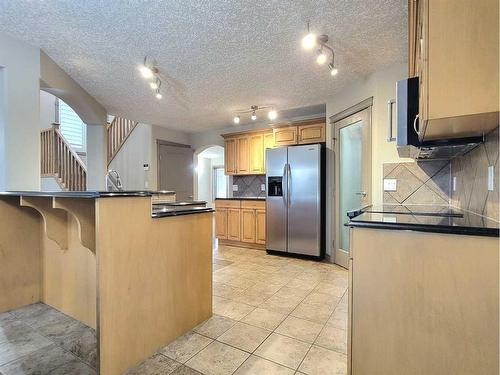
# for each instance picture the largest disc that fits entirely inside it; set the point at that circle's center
(272, 114)
(149, 69)
(310, 40)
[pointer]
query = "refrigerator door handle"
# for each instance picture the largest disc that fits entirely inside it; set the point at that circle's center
(289, 184)
(285, 185)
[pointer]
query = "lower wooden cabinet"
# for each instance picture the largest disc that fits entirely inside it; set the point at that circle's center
(241, 222)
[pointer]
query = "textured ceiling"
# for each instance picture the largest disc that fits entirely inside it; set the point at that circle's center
(218, 55)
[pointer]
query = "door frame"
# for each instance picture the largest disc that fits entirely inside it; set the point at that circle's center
(161, 142)
(351, 113)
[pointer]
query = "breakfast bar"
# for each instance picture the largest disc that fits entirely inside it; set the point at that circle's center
(141, 277)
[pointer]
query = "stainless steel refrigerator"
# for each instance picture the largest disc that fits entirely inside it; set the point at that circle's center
(294, 200)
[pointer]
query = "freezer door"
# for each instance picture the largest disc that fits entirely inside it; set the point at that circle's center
(304, 200)
(276, 217)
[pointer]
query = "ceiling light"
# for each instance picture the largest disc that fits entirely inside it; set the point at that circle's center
(254, 116)
(146, 71)
(309, 41)
(272, 114)
(333, 69)
(236, 119)
(158, 94)
(153, 85)
(321, 58)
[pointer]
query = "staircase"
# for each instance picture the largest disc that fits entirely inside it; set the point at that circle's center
(117, 133)
(58, 160)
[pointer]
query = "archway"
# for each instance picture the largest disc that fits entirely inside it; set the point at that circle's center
(210, 181)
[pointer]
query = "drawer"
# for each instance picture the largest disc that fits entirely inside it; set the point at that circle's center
(258, 205)
(222, 203)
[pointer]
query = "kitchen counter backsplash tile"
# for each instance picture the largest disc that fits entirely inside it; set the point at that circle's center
(426, 182)
(471, 172)
(249, 186)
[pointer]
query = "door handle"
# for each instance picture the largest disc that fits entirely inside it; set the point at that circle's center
(390, 104)
(288, 183)
(363, 193)
(284, 186)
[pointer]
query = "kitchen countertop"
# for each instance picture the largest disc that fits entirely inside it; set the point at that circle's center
(436, 219)
(243, 199)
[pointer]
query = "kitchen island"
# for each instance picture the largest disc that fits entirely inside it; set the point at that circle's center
(423, 291)
(140, 277)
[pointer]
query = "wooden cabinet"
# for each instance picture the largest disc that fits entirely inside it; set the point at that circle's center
(314, 133)
(247, 225)
(241, 222)
(260, 226)
(243, 152)
(257, 153)
(233, 224)
(221, 223)
(285, 136)
(453, 48)
(230, 156)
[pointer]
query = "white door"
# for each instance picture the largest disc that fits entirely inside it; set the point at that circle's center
(352, 175)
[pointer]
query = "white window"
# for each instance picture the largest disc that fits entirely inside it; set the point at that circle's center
(72, 127)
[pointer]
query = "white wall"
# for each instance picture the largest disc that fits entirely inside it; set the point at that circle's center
(47, 110)
(139, 149)
(381, 85)
(19, 130)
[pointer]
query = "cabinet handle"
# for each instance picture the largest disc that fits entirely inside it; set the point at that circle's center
(390, 103)
(415, 126)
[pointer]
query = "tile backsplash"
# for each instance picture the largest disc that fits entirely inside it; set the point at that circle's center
(471, 173)
(249, 186)
(426, 182)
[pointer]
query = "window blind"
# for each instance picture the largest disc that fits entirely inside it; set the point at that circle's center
(72, 127)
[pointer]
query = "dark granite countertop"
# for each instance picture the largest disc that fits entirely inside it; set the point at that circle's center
(167, 211)
(243, 199)
(85, 194)
(436, 219)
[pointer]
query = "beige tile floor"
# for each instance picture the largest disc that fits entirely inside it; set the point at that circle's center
(272, 315)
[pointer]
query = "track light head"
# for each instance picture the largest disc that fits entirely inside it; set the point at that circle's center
(254, 116)
(236, 119)
(158, 94)
(333, 69)
(272, 114)
(321, 58)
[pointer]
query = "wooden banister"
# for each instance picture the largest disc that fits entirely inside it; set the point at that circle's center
(117, 133)
(58, 160)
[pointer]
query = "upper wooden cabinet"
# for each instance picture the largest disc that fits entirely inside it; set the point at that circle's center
(313, 133)
(245, 153)
(453, 48)
(257, 153)
(230, 156)
(285, 136)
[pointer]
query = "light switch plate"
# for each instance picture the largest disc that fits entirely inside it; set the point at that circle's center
(454, 183)
(390, 184)
(235, 187)
(262, 187)
(491, 178)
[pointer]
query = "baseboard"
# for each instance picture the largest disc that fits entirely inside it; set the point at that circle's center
(254, 246)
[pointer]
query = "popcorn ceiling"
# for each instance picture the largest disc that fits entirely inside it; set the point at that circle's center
(218, 55)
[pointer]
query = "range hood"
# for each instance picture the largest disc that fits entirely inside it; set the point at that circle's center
(408, 143)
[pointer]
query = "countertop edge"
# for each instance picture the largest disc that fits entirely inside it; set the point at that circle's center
(83, 194)
(484, 232)
(242, 199)
(181, 213)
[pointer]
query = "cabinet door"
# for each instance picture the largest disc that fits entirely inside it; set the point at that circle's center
(243, 152)
(248, 225)
(256, 153)
(314, 133)
(260, 227)
(285, 136)
(268, 143)
(233, 224)
(230, 156)
(221, 223)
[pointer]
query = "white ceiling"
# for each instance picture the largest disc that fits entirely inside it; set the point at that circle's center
(219, 55)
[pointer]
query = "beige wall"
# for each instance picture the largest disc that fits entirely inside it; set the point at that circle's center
(19, 115)
(381, 85)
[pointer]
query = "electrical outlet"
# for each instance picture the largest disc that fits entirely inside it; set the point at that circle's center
(235, 187)
(491, 178)
(390, 184)
(454, 183)
(145, 166)
(262, 187)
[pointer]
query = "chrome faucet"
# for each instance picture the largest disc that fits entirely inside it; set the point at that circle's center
(113, 181)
